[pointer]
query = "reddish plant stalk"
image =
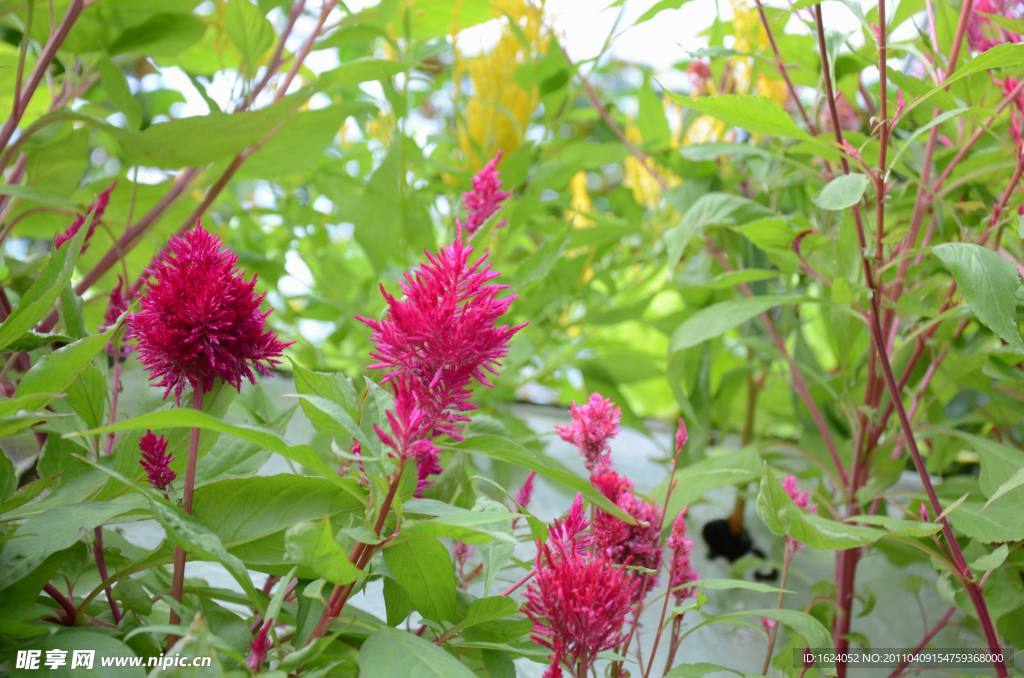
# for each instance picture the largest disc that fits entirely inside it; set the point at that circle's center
(781, 65)
(931, 633)
(70, 612)
(787, 560)
(53, 43)
(878, 345)
(178, 579)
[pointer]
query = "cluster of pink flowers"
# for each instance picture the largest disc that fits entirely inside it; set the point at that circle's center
(578, 601)
(625, 556)
(801, 498)
(486, 197)
(593, 424)
(984, 34)
(681, 571)
(433, 344)
(200, 319)
(155, 460)
(1008, 85)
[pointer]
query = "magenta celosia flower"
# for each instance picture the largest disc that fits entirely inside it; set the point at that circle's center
(409, 427)
(982, 33)
(578, 607)
(96, 209)
(485, 198)
(568, 536)
(681, 571)
(801, 498)
(443, 334)
(525, 493)
(259, 648)
(637, 545)
(156, 461)
(200, 319)
(682, 435)
(593, 425)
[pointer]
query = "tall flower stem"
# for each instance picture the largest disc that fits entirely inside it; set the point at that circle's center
(70, 613)
(787, 560)
(927, 638)
(360, 557)
(178, 580)
(879, 347)
(98, 550)
(673, 647)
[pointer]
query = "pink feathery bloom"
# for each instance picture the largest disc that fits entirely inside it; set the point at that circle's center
(200, 319)
(578, 607)
(259, 648)
(568, 536)
(593, 425)
(155, 460)
(699, 73)
(899, 102)
(409, 436)
(681, 571)
(525, 493)
(800, 497)
(117, 304)
(768, 624)
(982, 33)
(922, 512)
(443, 334)
(96, 209)
(637, 545)
(485, 198)
(682, 435)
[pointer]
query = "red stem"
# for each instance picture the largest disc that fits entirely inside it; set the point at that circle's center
(783, 71)
(931, 633)
(70, 613)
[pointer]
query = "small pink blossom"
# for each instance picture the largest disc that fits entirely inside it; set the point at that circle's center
(578, 607)
(801, 498)
(982, 33)
(922, 512)
(699, 73)
(899, 102)
(486, 197)
(768, 624)
(593, 425)
(117, 304)
(525, 493)
(155, 460)
(681, 570)
(96, 209)
(259, 648)
(568, 536)
(682, 435)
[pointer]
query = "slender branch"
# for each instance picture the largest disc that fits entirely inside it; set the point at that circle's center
(101, 568)
(787, 560)
(783, 71)
(70, 612)
(46, 57)
(931, 633)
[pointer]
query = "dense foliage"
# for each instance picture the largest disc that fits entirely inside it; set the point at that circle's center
(811, 273)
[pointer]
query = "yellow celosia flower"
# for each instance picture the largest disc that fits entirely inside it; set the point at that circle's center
(704, 130)
(499, 108)
(646, 190)
(773, 88)
(580, 201)
(749, 35)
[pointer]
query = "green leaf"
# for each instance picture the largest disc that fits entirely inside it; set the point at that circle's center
(784, 518)
(35, 195)
(988, 282)
(250, 30)
(996, 522)
(708, 210)
(8, 479)
(101, 646)
(905, 528)
(918, 131)
(842, 192)
(55, 372)
(756, 114)
(422, 565)
(659, 7)
(487, 609)
(1006, 55)
(397, 654)
(812, 630)
(493, 522)
(694, 481)
(651, 117)
(1012, 483)
(200, 542)
(732, 584)
(712, 321)
(363, 70)
(698, 670)
(991, 560)
(38, 300)
(313, 545)
(116, 87)
(190, 418)
(512, 452)
(163, 34)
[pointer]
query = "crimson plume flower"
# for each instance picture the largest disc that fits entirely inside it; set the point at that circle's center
(259, 648)
(593, 425)
(525, 493)
(568, 536)
(578, 607)
(637, 545)
(681, 571)
(200, 319)
(96, 209)
(982, 33)
(485, 198)
(434, 343)
(682, 435)
(156, 461)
